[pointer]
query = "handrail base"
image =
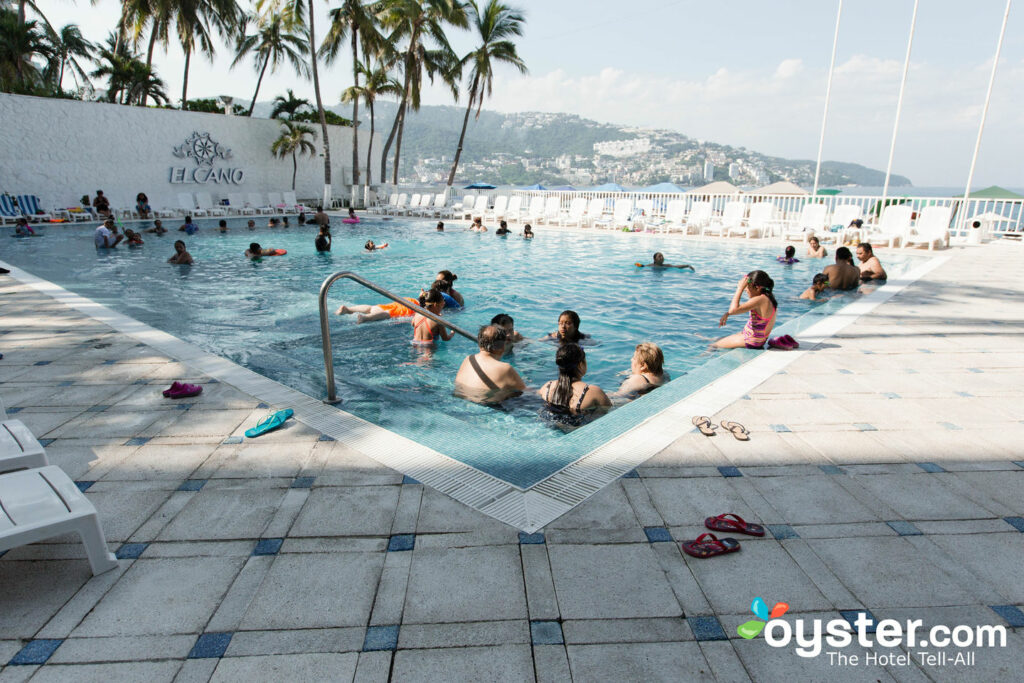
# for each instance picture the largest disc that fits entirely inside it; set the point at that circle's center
(333, 402)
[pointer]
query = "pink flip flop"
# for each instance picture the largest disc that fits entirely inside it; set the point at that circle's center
(176, 386)
(186, 391)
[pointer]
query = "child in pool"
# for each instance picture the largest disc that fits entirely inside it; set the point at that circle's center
(323, 239)
(659, 262)
(425, 330)
(818, 285)
(762, 306)
(502, 229)
(527, 232)
(814, 248)
(181, 256)
(255, 251)
(789, 259)
(451, 277)
(445, 288)
(505, 322)
(568, 329)
(370, 246)
(132, 238)
(222, 225)
(251, 224)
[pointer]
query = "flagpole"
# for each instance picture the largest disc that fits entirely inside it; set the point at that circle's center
(899, 107)
(828, 96)
(984, 113)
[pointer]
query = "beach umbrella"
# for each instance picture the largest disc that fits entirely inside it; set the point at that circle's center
(535, 186)
(608, 187)
(781, 187)
(828, 192)
(717, 187)
(480, 186)
(994, 192)
(664, 187)
(563, 188)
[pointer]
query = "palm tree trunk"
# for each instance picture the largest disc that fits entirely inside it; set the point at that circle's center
(149, 58)
(21, 12)
(295, 169)
(258, 81)
(184, 82)
(355, 107)
(320, 106)
(462, 137)
(394, 126)
(398, 144)
(369, 147)
(60, 79)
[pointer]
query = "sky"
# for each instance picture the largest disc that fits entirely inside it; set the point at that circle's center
(750, 74)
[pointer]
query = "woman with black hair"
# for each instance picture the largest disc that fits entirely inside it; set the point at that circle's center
(762, 307)
(568, 400)
(451, 277)
(568, 329)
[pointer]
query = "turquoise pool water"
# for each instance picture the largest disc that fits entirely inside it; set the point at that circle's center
(264, 316)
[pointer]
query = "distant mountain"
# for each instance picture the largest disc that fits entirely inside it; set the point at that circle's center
(558, 149)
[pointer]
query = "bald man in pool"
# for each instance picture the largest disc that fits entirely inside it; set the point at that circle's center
(485, 378)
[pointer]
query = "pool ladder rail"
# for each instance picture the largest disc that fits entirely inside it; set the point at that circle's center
(325, 322)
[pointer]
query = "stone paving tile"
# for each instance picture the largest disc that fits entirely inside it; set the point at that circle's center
(102, 673)
(440, 514)
(427, 636)
(660, 630)
(319, 666)
(811, 500)
(240, 513)
(921, 496)
(606, 509)
(296, 641)
(252, 460)
(765, 663)
(494, 663)
(34, 591)
(347, 511)
(639, 662)
(994, 558)
(154, 462)
(122, 649)
(690, 501)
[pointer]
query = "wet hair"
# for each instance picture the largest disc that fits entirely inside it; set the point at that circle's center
(857, 222)
(527, 228)
(502, 319)
(433, 296)
(652, 357)
(369, 245)
(656, 255)
(448, 275)
(843, 254)
(867, 247)
(491, 338)
(255, 247)
(575, 318)
(319, 207)
(820, 279)
(222, 223)
(790, 251)
(188, 218)
(568, 358)
(503, 225)
(478, 221)
(442, 286)
(177, 242)
(440, 225)
(759, 278)
(816, 240)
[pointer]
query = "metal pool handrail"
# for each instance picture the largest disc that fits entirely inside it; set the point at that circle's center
(325, 326)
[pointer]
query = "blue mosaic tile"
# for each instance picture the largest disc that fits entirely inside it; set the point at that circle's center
(536, 538)
(379, 638)
(851, 616)
(546, 633)
(109, 362)
(924, 350)
(910, 371)
(45, 442)
(326, 437)
(865, 427)
(1016, 522)
(657, 534)
(746, 397)
(267, 546)
(65, 383)
(406, 479)
(781, 428)
(401, 543)
(632, 474)
(183, 406)
(867, 352)
(137, 441)
(1013, 615)
(830, 469)
(964, 394)
(977, 370)
(210, 646)
(782, 531)
(131, 551)
(14, 411)
(707, 628)
(818, 396)
(261, 404)
(951, 427)
(42, 362)
(930, 467)
(36, 652)
(891, 394)
(233, 439)
(98, 408)
(213, 381)
(844, 371)
(1018, 463)
(303, 482)
(904, 528)
(192, 485)
(83, 486)
(141, 381)
(728, 471)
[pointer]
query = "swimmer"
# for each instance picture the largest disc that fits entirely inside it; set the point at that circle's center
(814, 248)
(181, 257)
(568, 400)
(502, 229)
(870, 267)
(106, 236)
(320, 217)
(527, 232)
(451, 277)
(568, 329)
(440, 226)
(189, 228)
(273, 223)
(646, 371)
(842, 275)
(256, 252)
(323, 239)
(483, 377)
(818, 285)
(478, 225)
(659, 262)
(22, 228)
(158, 227)
(132, 238)
(505, 321)
(370, 246)
(790, 257)
(222, 225)
(368, 313)
(251, 224)
(285, 219)
(445, 288)
(762, 306)
(424, 329)
(302, 218)
(352, 214)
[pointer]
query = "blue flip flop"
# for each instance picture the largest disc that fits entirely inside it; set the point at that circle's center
(270, 423)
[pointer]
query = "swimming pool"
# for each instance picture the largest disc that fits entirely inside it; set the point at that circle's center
(263, 316)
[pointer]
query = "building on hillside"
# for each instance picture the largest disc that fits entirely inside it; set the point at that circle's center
(623, 148)
(709, 171)
(734, 170)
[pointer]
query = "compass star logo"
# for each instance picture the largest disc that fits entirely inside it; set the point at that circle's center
(202, 148)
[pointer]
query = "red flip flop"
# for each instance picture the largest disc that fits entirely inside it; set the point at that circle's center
(709, 545)
(176, 386)
(186, 391)
(734, 525)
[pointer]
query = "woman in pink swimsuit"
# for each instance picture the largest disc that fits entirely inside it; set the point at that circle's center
(762, 307)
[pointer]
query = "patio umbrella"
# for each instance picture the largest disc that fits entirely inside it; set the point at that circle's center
(664, 187)
(608, 187)
(563, 188)
(535, 186)
(994, 192)
(829, 192)
(781, 187)
(717, 187)
(480, 186)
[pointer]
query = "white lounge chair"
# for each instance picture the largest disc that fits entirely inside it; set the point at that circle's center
(757, 224)
(293, 202)
(426, 204)
(732, 217)
(478, 209)
(42, 503)
(699, 216)
(643, 212)
(381, 208)
(414, 203)
(552, 208)
(893, 227)
(30, 206)
(843, 215)
(205, 202)
(19, 449)
(257, 204)
(237, 205)
(673, 219)
(622, 215)
(536, 211)
(188, 205)
(440, 208)
(811, 220)
(595, 211)
(514, 211)
(498, 212)
(464, 203)
(399, 206)
(932, 227)
(574, 216)
(161, 211)
(276, 202)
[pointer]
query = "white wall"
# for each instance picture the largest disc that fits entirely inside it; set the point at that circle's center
(62, 149)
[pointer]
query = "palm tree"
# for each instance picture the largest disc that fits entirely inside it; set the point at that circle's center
(421, 23)
(288, 107)
(144, 84)
(495, 28)
(378, 81)
(273, 42)
(115, 63)
(20, 45)
(351, 20)
(293, 141)
(193, 20)
(68, 47)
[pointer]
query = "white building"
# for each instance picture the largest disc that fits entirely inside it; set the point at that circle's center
(734, 170)
(623, 148)
(709, 171)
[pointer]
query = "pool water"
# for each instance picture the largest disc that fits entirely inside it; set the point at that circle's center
(263, 315)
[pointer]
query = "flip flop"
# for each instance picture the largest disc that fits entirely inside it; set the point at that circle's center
(703, 423)
(793, 344)
(174, 387)
(185, 391)
(709, 545)
(739, 431)
(269, 423)
(735, 525)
